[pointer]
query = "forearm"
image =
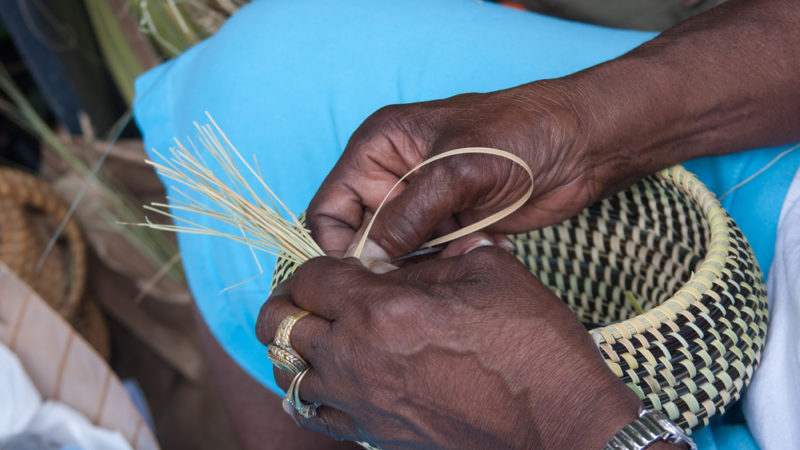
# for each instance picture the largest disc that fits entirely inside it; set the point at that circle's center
(724, 81)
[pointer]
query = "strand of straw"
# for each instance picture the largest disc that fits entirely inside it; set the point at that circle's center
(483, 223)
(759, 171)
(92, 175)
(231, 199)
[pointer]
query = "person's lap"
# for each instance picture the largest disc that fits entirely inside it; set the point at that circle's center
(289, 81)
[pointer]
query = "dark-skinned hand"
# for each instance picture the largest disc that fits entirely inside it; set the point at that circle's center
(537, 124)
(462, 352)
(472, 351)
(721, 82)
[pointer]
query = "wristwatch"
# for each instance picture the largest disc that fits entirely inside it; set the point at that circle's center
(651, 426)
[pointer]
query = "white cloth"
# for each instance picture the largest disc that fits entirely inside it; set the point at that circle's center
(772, 401)
(19, 398)
(60, 423)
(22, 411)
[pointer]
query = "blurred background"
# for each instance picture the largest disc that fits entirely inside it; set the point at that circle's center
(66, 85)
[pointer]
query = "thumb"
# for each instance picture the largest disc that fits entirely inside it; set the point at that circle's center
(408, 220)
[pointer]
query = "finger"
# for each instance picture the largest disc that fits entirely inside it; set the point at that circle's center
(379, 266)
(334, 215)
(503, 241)
(464, 245)
(313, 388)
(328, 421)
(439, 191)
(307, 335)
(368, 168)
(327, 286)
(370, 252)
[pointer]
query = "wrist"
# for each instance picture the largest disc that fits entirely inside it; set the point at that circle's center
(632, 122)
(603, 413)
(592, 406)
(560, 132)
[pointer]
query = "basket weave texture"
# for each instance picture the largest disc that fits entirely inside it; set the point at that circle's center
(21, 196)
(667, 243)
(25, 202)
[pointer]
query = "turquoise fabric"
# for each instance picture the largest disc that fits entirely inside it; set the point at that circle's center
(290, 80)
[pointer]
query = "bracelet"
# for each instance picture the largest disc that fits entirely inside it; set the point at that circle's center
(651, 426)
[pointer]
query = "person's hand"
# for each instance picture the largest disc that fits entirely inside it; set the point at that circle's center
(463, 352)
(537, 122)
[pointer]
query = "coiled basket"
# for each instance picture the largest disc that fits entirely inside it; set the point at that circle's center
(666, 246)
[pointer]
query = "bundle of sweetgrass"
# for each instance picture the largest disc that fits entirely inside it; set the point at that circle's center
(265, 225)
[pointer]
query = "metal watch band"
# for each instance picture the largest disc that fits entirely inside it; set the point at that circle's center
(650, 427)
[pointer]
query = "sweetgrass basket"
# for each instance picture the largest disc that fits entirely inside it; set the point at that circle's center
(60, 281)
(667, 244)
(667, 248)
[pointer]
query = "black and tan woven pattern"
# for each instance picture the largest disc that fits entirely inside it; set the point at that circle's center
(666, 245)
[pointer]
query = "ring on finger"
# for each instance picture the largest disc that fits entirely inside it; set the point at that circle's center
(284, 331)
(287, 360)
(307, 410)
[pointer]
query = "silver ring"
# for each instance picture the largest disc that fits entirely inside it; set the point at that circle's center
(307, 410)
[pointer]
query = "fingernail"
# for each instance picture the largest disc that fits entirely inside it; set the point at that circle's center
(287, 408)
(506, 244)
(480, 243)
(378, 266)
(371, 250)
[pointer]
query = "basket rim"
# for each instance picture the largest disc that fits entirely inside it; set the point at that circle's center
(703, 278)
(26, 190)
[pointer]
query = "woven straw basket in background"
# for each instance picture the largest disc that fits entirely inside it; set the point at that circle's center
(667, 244)
(22, 196)
(30, 211)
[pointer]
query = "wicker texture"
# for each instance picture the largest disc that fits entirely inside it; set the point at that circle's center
(21, 247)
(667, 243)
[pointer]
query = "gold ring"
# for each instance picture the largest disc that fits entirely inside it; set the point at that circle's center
(307, 410)
(285, 359)
(285, 329)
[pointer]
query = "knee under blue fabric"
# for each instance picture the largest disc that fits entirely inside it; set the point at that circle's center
(290, 80)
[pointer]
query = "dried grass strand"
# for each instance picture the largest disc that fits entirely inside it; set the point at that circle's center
(483, 223)
(261, 223)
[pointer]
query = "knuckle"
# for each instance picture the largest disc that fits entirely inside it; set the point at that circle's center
(385, 118)
(392, 316)
(388, 113)
(309, 269)
(399, 233)
(466, 177)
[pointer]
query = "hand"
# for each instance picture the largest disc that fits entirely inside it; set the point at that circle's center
(464, 352)
(684, 95)
(537, 122)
